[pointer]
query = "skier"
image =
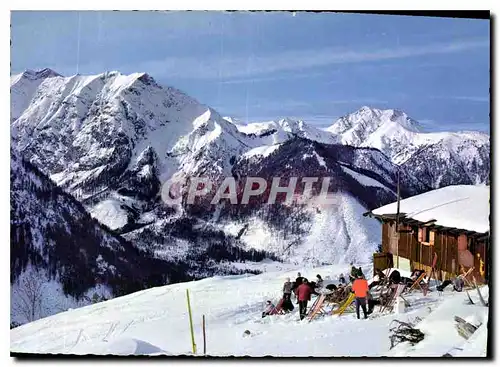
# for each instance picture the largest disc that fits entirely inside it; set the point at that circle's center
(298, 281)
(458, 284)
(416, 273)
(360, 290)
(319, 281)
(331, 287)
(360, 272)
(395, 277)
(342, 279)
(354, 273)
(303, 295)
(268, 309)
(287, 296)
(371, 302)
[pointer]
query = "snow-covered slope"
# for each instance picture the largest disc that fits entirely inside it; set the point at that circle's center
(339, 234)
(23, 88)
(156, 322)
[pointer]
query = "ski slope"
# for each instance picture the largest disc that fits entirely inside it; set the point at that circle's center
(155, 322)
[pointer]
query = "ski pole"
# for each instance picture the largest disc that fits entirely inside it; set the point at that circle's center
(191, 322)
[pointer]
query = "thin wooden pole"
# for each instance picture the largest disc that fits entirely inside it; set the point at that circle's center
(191, 322)
(204, 338)
(397, 226)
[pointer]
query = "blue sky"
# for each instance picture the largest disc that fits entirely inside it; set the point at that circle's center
(259, 66)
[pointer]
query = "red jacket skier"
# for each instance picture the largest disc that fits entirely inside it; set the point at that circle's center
(304, 292)
(303, 295)
(360, 290)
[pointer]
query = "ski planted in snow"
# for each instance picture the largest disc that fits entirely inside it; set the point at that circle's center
(484, 303)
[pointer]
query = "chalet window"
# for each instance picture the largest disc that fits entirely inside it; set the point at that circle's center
(426, 236)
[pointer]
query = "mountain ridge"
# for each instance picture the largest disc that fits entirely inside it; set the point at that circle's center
(112, 140)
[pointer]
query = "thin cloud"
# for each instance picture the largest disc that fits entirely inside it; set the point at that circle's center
(473, 99)
(288, 104)
(465, 98)
(216, 67)
(273, 78)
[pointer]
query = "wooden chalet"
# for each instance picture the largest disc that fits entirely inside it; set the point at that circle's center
(448, 226)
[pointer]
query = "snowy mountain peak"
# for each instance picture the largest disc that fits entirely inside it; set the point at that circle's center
(367, 119)
(40, 73)
(291, 125)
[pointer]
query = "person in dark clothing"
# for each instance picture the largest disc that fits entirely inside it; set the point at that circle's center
(269, 307)
(408, 281)
(395, 277)
(416, 273)
(313, 287)
(360, 290)
(380, 274)
(303, 295)
(443, 285)
(287, 296)
(287, 289)
(296, 284)
(354, 273)
(342, 279)
(331, 287)
(319, 281)
(458, 284)
(299, 279)
(371, 303)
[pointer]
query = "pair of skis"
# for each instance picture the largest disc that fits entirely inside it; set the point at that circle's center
(481, 299)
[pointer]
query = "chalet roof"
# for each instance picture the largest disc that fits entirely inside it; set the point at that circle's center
(458, 206)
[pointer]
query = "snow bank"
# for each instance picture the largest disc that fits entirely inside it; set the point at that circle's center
(441, 336)
(476, 345)
(262, 151)
(458, 206)
(365, 180)
(110, 213)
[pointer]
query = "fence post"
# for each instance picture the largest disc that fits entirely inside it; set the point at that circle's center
(204, 338)
(191, 322)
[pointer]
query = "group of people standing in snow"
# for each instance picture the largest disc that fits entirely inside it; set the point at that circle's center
(303, 289)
